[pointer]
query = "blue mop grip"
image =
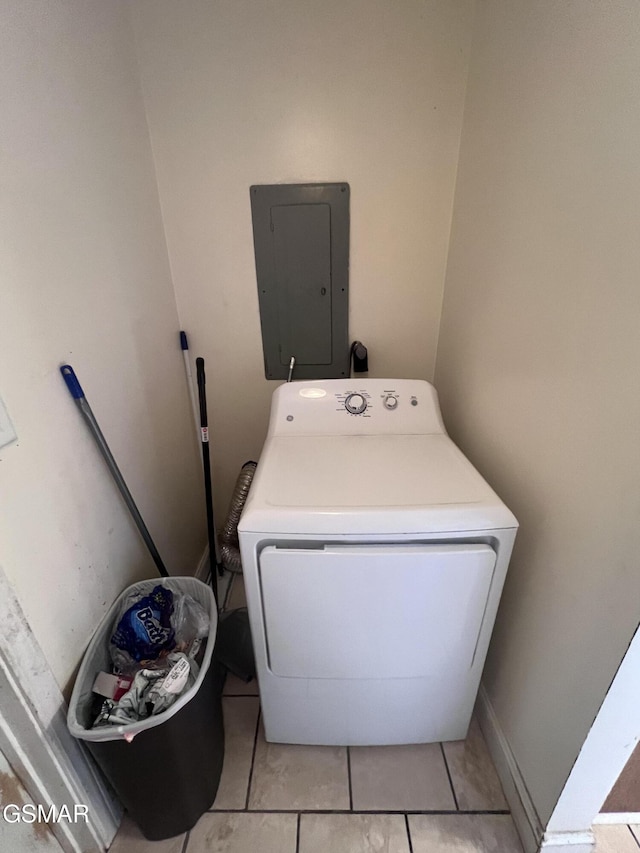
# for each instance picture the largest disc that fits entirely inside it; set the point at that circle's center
(72, 382)
(183, 341)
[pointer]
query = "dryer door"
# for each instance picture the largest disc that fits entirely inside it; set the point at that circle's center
(374, 611)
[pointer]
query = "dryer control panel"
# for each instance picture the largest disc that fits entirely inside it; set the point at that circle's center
(346, 407)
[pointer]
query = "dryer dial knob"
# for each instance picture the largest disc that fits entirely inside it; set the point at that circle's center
(355, 404)
(390, 402)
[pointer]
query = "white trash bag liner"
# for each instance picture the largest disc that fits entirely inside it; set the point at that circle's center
(97, 659)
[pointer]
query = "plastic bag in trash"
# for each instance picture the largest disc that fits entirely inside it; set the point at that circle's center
(190, 621)
(84, 704)
(144, 629)
(151, 626)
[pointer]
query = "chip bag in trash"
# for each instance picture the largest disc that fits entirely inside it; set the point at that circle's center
(144, 631)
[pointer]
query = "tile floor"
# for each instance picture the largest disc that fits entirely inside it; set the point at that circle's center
(277, 798)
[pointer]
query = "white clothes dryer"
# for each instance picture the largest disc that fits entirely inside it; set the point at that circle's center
(374, 557)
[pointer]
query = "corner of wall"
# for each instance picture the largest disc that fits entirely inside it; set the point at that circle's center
(523, 811)
(454, 192)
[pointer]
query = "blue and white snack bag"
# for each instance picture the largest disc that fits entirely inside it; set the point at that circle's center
(144, 630)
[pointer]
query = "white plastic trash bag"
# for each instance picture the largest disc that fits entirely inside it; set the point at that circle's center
(97, 659)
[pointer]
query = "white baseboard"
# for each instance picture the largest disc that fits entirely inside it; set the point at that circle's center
(523, 811)
(568, 842)
(202, 570)
(618, 817)
(534, 838)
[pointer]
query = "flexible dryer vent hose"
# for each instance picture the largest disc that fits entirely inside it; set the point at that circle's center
(229, 549)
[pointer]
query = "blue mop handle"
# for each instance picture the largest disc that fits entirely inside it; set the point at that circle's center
(75, 389)
(74, 386)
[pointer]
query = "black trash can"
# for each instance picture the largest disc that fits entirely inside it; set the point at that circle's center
(165, 769)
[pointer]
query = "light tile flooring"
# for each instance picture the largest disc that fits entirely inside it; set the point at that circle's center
(277, 798)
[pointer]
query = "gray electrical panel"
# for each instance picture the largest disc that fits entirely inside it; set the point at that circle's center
(301, 241)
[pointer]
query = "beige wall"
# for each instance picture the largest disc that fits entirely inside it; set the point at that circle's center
(249, 92)
(539, 351)
(539, 345)
(85, 279)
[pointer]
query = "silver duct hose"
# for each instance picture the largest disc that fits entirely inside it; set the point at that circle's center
(229, 549)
